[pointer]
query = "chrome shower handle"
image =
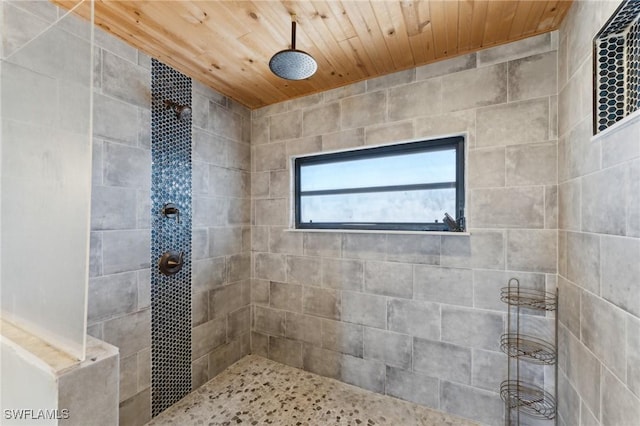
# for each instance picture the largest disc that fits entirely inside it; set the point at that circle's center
(171, 262)
(170, 211)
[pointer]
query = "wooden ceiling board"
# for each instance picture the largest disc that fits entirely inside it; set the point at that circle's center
(452, 16)
(439, 28)
(520, 18)
(465, 22)
(478, 23)
(535, 13)
(320, 40)
(508, 15)
(417, 21)
(394, 31)
(551, 12)
(492, 23)
(563, 8)
(227, 45)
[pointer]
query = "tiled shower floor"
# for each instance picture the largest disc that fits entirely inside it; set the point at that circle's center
(257, 391)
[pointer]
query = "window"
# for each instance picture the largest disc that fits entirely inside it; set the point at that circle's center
(400, 187)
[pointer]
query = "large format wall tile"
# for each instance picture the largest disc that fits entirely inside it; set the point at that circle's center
(443, 360)
(513, 51)
(600, 331)
(532, 165)
(416, 99)
(620, 266)
(583, 265)
(521, 207)
(390, 348)
(486, 168)
(487, 325)
(532, 250)
(365, 309)
(125, 80)
(513, 123)
(466, 401)
(371, 302)
(483, 249)
(321, 120)
(286, 126)
(388, 279)
(342, 337)
(602, 192)
(619, 406)
(411, 386)
(344, 139)
(303, 328)
(633, 355)
(126, 250)
(363, 110)
(533, 76)
(112, 296)
(443, 285)
(448, 66)
(130, 333)
(474, 88)
(415, 318)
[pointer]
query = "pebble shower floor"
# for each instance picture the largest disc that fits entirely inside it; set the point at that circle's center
(258, 391)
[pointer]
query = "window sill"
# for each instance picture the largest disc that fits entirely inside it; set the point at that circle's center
(380, 231)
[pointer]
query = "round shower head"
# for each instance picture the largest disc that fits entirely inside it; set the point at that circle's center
(292, 64)
(183, 112)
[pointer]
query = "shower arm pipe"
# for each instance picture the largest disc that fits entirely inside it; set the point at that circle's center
(293, 32)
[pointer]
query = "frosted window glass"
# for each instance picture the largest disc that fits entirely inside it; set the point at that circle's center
(403, 169)
(410, 186)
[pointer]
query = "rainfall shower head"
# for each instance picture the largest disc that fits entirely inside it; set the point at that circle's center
(183, 112)
(293, 64)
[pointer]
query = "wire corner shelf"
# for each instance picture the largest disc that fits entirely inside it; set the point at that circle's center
(529, 348)
(528, 398)
(519, 395)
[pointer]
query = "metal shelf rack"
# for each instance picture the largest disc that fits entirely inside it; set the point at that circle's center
(520, 396)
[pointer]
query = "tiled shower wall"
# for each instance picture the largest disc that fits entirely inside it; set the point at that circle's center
(119, 286)
(599, 242)
(221, 233)
(414, 316)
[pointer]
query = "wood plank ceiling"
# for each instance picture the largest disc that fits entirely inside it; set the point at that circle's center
(227, 44)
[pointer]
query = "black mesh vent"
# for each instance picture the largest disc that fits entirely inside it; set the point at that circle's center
(617, 67)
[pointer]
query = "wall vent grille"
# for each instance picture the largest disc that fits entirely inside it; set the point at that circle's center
(617, 67)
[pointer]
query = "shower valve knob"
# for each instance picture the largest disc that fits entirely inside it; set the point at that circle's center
(171, 262)
(170, 211)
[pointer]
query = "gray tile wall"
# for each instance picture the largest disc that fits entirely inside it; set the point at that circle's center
(598, 244)
(119, 284)
(221, 233)
(413, 316)
(316, 302)
(119, 292)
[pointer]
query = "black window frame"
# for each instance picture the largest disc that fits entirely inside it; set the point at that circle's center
(456, 142)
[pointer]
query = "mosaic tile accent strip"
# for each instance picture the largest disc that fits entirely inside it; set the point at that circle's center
(617, 56)
(633, 67)
(258, 391)
(171, 183)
